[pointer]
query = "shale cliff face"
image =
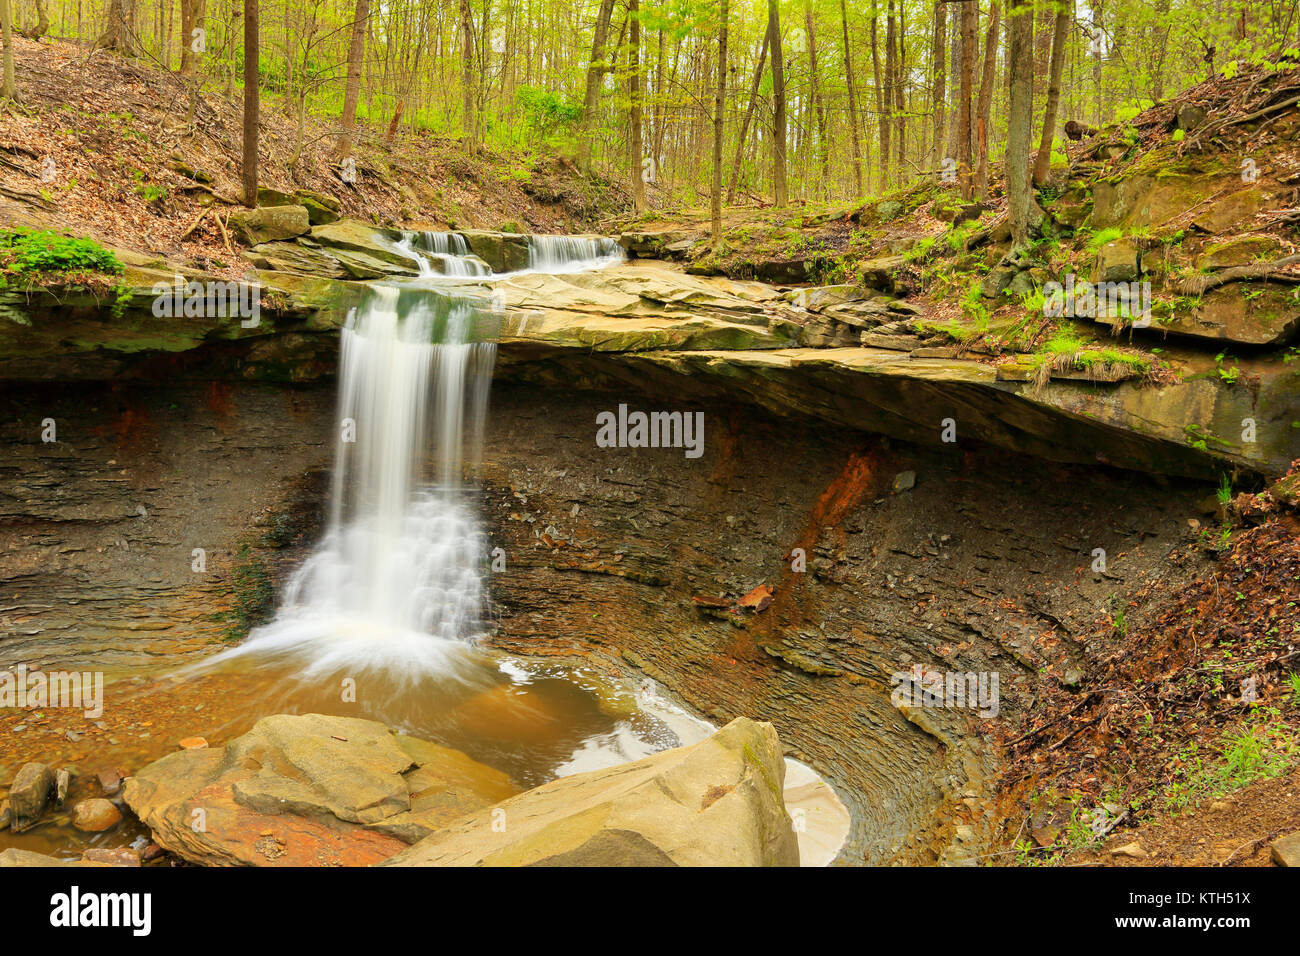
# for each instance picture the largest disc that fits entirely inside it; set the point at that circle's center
(879, 556)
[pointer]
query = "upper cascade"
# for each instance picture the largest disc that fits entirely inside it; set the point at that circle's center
(571, 253)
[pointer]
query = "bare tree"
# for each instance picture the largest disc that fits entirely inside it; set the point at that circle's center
(819, 107)
(191, 17)
(634, 102)
(42, 25)
(749, 116)
(719, 101)
(938, 47)
(119, 34)
(596, 70)
(467, 73)
(853, 102)
(965, 99)
(779, 194)
(352, 87)
(1064, 16)
(984, 109)
(250, 102)
(7, 89)
(1025, 213)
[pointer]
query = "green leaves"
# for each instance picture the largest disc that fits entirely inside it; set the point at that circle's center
(29, 252)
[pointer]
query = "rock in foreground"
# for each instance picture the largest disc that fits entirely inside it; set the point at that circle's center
(715, 803)
(308, 790)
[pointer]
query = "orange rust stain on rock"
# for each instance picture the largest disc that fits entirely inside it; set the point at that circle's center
(846, 491)
(217, 397)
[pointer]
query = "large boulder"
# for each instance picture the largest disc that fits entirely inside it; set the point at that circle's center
(308, 790)
(715, 803)
(1117, 261)
(352, 236)
(268, 223)
(321, 208)
(502, 251)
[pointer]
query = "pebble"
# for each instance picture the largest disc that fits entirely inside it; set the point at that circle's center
(193, 743)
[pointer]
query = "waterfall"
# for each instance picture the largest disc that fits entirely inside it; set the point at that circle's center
(571, 253)
(395, 584)
(448, 250)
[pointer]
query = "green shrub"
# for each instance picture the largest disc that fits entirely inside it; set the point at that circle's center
(27, 252)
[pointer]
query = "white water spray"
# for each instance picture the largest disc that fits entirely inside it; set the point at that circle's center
(395, 584)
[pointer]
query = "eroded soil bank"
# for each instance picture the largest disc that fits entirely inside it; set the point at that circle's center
(955, 557)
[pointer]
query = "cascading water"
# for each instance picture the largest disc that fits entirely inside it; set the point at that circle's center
(395, 584)
(448, 250)
(571, 253)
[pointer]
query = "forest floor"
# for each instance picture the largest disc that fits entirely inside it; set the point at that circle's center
(110, 148)
(1180, 733)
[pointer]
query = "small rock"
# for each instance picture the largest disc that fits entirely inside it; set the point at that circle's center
(1286, 850)
(94, 815)
(1132, 850)
(110, 781)
(151, 852)
(904, 480)
(193, 743)
(1190, 116)
(62, 780)
(116, 856)
(5, 815)
(31, 788)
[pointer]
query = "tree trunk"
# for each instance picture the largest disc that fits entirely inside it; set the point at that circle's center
(938, 90)
(42, 26)
(882, 124)
(900, 103)
(634, 104)
(352, 88)
(965, 100)
(119, 35)
(7, 89)
(190, 14)
(819, 106)
(749, 116)
(1096, 47)
(467, 73)
(891, 73)
(1024, 211)
(719, 101)
(250, 102)
(1061, 29)
(985, 107)
(596, 70)
(779, 195)
(853, 101)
